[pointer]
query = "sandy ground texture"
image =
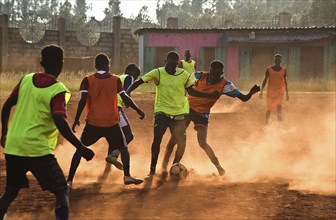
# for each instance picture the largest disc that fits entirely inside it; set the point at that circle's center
(281, 171)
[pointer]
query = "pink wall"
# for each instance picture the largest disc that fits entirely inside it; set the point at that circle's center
(192, 42)
(232, 62)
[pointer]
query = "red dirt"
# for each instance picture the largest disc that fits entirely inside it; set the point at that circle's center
(274, 172)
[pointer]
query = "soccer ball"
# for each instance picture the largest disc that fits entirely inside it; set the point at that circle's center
(178, 171)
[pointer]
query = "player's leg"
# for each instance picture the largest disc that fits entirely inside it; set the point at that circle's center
(91, 134)
(168, 152)
(115, 136)
(178, 131)
(6, 199)
(270, 105)
(170, 146)
(279, 111)
(126, 128)
(62, 204)
(16, 179)
(161, 123)
(202, 132)
(50, 177)
(268, 114)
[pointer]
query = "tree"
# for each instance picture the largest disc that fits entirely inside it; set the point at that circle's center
(113, 9)
(321, 13)
(80, 9)
(251, 13)
(166, 10)
(65, 10)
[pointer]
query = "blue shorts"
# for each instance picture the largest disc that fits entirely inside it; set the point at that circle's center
(45, 169)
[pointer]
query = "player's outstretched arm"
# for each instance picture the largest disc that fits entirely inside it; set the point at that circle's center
(64, 128)
(80, 107)
(129, 102)
(5, 114)
(134, 86)
(253, 90)
(191, 91)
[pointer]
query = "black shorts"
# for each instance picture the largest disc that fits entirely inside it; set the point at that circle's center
(198, 119)
(113, 135)
(45, 169)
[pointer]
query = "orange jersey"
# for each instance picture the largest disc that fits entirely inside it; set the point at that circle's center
(201, 104)
(276, 84)
(102, 101)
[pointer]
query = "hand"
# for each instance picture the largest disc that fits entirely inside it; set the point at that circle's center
(3, 140)
(141, 113)
(255, 89)
(260, 95)
(86, 153)
(74, 125)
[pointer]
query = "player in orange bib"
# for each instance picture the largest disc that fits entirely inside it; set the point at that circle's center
(199, 114)
(277, 86)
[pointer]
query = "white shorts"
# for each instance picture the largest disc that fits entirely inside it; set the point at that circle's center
(123, 118)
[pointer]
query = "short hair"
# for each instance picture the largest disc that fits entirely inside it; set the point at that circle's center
(173, 55)
(216, 64)
(131, 67)
(52, 56)
(277, 55)
(102, 61)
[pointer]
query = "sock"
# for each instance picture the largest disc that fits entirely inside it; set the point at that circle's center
(62, 212)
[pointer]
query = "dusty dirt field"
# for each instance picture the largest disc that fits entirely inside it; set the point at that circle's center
(282, 171)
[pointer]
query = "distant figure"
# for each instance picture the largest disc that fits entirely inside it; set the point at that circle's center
(40, 113)
(200, 107)
(99, 92)
(188, 64)
(276, 88)
(171, 106)
(132, 72)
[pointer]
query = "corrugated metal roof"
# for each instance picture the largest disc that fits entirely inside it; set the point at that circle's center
(285, 37)
(216, 30)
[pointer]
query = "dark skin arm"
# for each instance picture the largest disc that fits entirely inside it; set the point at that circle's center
(129, 102)
(135, 85)
(80, 108)
(191, 91)
(263, 84)
(64, 128)
(5, 114)
(253, 90)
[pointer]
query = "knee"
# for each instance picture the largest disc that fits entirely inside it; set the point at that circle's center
(203, 144)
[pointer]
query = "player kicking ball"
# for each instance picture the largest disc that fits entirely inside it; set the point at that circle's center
(207, 82)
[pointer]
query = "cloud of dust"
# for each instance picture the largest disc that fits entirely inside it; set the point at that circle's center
(96, 170)
(301, 153)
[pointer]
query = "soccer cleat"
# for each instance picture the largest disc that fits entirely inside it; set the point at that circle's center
(131, 180)
(113, 160)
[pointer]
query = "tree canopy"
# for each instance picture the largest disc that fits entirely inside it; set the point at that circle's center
(190, 13)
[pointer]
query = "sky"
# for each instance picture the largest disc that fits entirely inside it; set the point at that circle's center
(127, 7)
